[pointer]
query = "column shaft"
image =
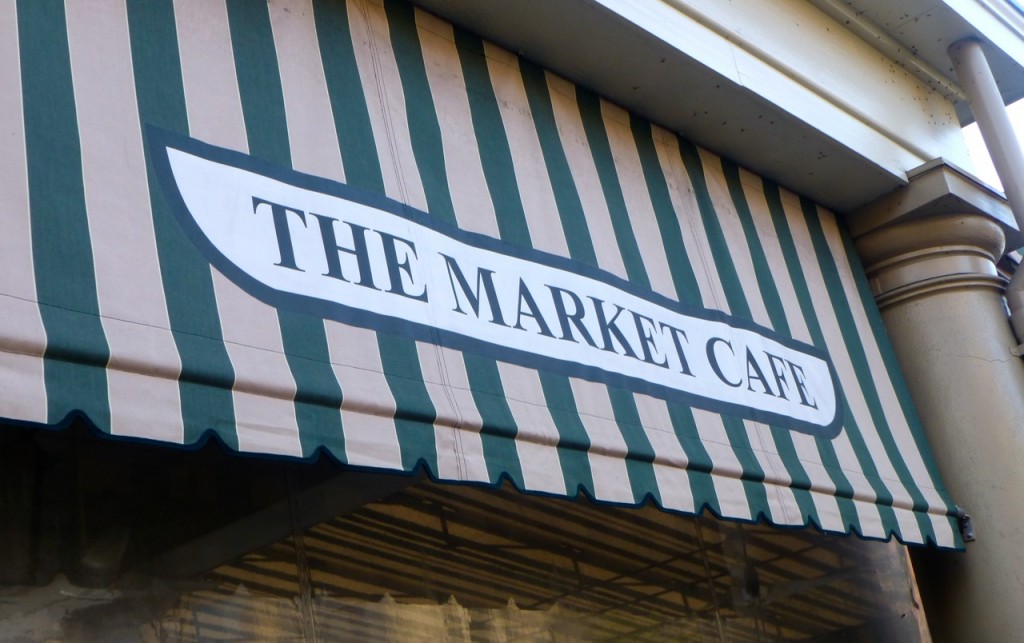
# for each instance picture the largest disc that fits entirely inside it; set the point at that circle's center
(941, 300)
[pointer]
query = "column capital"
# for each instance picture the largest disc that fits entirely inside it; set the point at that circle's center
(944, 230)
(922, 257)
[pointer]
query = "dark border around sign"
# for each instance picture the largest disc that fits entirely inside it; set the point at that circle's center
(160, 140)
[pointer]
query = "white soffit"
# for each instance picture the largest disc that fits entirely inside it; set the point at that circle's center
(924, 30)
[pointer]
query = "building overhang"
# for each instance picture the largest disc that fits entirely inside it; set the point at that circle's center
(670, 62)
(937, 189)
(916, 34)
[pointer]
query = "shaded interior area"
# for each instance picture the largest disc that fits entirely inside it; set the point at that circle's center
(109, 540)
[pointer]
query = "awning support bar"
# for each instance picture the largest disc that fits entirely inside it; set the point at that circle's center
(963, 519)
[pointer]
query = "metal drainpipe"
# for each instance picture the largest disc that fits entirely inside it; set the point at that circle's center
(983, 96)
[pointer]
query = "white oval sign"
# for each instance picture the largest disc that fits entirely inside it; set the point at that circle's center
(308, 244)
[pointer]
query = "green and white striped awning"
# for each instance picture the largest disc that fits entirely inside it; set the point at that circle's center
(123, 306)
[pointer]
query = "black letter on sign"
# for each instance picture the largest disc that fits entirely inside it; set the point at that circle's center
(647, 339)
(564, 317)
(396, 268)
(754, 372)
(676, 334)
(780, 373)
(713, 359)
(332, 250)
(484, 276)
(801, 385)
(609, 329)
(284, 235)
(526, 297)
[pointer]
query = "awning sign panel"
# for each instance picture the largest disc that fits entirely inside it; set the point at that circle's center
(304, 243)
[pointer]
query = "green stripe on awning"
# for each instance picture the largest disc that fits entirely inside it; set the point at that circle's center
(206, 371)
(411, 109)
(76, 349)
